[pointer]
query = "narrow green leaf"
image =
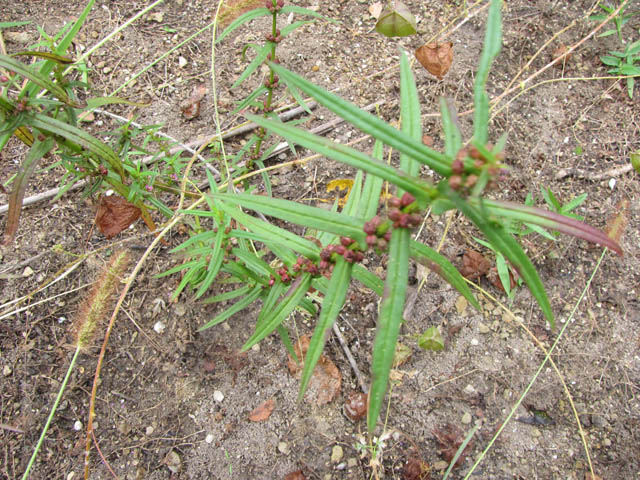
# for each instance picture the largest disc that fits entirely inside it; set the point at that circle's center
(77, 136)
(270, 234)
(409, 115)
(369, 123)
(290, 301)
(299, 214)
(242, 19)
(452, 137)
(21, 69)
(222, 297)
(504, 243)
(331, 305)
(372, 188)
(368, 279)
(217, 256)
(289, 8)
(490, 50)
(249, 98)
(46, 55)
(389, 322)
(442, 266)
(353, 202)
(260, 57)
(235, 308)
(349, 156)
(20, 182)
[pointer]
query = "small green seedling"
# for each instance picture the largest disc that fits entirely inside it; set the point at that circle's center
(624, 63)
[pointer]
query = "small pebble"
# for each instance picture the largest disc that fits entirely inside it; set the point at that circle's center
(218, 396)
(466, 418)
(283, 448)
(149, 430)
(159, 327)
(469, 390)
(28, 271)
(209, 438)
(341, 466)
(440, 465)
(256, 347)
(336, 454)
(6, 370)
(182, 62)
(77, 426)
(475, 342)
(482, 328)
(536, 432)
(606, 442)
(352, 462)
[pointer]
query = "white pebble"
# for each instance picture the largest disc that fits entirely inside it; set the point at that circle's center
(159, 327)
(218, 396)
(77, 426)
(475, 342)
(209, 438)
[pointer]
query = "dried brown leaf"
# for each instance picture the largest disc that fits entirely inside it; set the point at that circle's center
(416, 469)
(474, 265)
(326, 380)
(450, 438)
(297, 475)
(191, 106)
(436, 57)
(115, 214)
(232, 9)
(262, 412)
(375, 9)
(617, 224)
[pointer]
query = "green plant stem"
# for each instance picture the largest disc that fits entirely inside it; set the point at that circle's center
(540, 368)
(53, 411)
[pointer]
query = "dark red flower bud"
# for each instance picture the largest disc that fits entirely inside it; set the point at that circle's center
(471, 181)
(479, 163)
(387, 236)
(371, 240)
(280, 3)
(395, 202)
(455, 182)
(349, 256)
(382, 244)
(339, 249)
(457, 166)
(474, 153)
(407, 199)
(369, 228)
(462, 154)
(323, 265)
(395, 214)
(325, 254)
(4, 78)
(346, 241)
(272, 281)
(359, 257)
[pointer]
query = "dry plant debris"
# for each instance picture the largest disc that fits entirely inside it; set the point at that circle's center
(436, 57)
(263, 411)
(115, 214)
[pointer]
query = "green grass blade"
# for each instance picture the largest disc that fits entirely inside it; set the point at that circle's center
(217, 256)
(369, 123)
(353, 202)
(288, 8)
(349, 156)
(389, 321)
(442, 266)
(505, 244)
(250, 98)
(368, 279)
(492, 45)
(235, 308)
(331, 305)
(291, 300)
(299, 214)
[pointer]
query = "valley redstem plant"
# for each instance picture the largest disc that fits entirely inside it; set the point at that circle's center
(328, 260)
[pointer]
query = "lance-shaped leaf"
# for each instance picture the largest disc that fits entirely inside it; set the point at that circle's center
(552, 221)
(331, 305)
(439, 264)
(291, 300)
(349, 156)
(389, 321)
(505, 244)
(242, 19)
(369, 123)
(299, 214)
(21, 69)
(251, 297)
(410, 113)
(79, 137)
(490, 50)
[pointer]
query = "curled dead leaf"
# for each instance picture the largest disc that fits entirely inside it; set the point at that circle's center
(191, 106)
(416, 469)
(115, 214)
(474, 265)
(297, 475)
(450, 438)
(436, 57)
(263, 411)
(560, 56)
